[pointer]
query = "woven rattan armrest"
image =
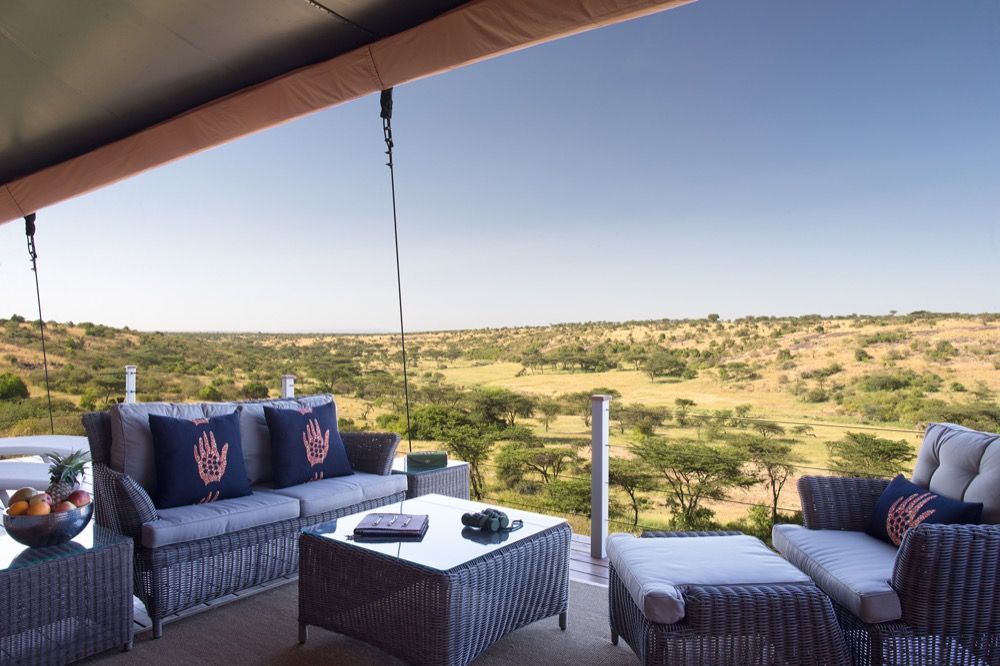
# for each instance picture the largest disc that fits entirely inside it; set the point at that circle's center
(371, 452)
(946, 578)
(839, 503)
(122, 504)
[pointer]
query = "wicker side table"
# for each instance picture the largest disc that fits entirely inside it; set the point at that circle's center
(443, 600)
(452, 480)
(64, 603)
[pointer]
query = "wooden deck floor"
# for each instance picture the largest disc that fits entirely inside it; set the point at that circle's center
(582, 568)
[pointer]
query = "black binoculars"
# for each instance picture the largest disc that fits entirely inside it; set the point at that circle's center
(488, 520)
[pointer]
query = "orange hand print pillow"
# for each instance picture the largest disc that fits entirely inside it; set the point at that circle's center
(305, 445)
(904, 505)
(197, 461)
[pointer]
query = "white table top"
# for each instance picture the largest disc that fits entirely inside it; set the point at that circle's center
(39, 445)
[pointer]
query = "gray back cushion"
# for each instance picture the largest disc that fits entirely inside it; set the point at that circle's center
(961, 464)
(132, 440)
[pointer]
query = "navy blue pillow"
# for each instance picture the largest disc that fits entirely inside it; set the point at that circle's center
(904, 504)
(305, 445)
(197, 461)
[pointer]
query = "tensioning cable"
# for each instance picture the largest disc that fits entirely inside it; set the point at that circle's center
(29, 231)
(386, 102)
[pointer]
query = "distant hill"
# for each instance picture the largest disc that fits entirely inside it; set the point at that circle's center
(516, 400)
(898, 370)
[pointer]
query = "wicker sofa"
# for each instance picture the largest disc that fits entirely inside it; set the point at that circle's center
(186, 556)
(935, 599)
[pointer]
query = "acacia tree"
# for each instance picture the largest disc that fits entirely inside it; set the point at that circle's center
(634, 477)
(473, 445)
(501, 407)
(772, 461)
(683, 406)
(692, 473)
(517, 459)
(663, 363)
(548, 409)
(642, 419)
(867, 454)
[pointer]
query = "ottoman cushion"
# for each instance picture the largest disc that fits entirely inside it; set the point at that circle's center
(657, 571)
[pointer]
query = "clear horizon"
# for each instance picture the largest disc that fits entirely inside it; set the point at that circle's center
(728, 157)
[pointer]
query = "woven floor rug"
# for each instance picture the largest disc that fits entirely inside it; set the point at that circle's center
(263, 630)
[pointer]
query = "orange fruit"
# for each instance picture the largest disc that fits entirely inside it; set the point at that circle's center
(17, 508)
(39, 509)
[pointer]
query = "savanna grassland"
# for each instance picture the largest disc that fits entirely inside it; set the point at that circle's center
(709, 417)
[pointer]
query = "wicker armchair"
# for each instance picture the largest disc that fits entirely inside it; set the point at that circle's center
(178, 576)
(945, 576)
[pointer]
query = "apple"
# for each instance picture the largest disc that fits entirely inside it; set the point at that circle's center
(17, 508)
(64, 506)
(79, 498)
(39, 509)
(23, 494)
(41, 498)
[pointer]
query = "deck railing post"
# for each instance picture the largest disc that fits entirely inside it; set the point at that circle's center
(599, 410)
(287, 386)
(130, 383)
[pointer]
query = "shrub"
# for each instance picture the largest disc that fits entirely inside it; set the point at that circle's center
(255, 391)
(12, 387)
(211, 393)
(816, 395)
(884, 337)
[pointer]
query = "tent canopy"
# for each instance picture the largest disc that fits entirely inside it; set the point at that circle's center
(101, 90)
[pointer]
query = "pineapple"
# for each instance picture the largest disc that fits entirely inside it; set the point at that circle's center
(65, 473)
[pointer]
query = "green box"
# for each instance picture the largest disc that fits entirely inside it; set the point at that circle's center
(420, 461)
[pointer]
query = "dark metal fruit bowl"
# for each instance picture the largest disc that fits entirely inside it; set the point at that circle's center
(48, 530)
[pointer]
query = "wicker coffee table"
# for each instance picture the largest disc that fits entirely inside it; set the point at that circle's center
(64, 603)
(442, 600)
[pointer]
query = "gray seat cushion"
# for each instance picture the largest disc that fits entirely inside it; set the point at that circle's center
(318, 497)
(199, 521)
(961, 464)
(656, 572)
(853, 568)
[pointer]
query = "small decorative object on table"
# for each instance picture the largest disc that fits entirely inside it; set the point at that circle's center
(394, 526)
(421, 461)
(451, 479)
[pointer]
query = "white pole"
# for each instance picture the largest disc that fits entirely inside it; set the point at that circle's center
(287, 386)
(129, 384)
(599, 408)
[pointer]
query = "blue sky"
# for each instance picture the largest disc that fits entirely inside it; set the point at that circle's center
(770, 157)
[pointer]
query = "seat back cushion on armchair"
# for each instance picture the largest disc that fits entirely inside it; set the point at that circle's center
(961, 464)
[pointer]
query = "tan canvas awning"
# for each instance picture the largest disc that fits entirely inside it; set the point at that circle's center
(124, 91)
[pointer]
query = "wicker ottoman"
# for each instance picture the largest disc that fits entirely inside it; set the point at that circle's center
(442, 600)
(717, 598)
